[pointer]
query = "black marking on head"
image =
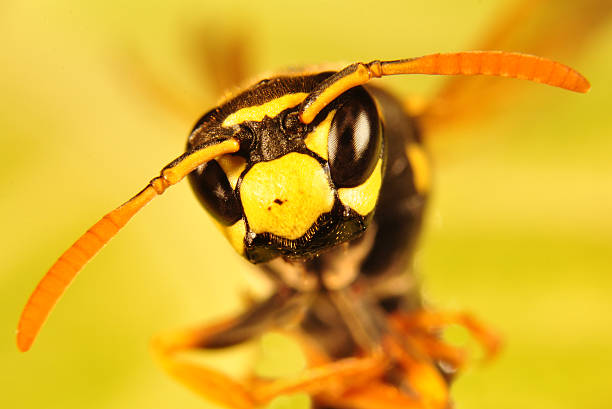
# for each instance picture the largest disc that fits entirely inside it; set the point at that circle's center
(262, 92)
(332, 228)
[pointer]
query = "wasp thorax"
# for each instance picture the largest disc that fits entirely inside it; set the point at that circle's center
(293, 190)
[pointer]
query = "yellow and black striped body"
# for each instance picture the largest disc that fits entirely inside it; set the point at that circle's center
(319, 223)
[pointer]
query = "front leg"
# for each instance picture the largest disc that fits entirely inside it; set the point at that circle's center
(426, 325)
(273, 314)
(207, 382)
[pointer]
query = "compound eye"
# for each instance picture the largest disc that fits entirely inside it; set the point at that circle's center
(355, 139)
(214, 191)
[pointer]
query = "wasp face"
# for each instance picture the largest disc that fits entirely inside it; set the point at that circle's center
(292, 190)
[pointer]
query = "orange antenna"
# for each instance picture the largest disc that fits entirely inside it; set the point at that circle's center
(65, 269)
(493, 63)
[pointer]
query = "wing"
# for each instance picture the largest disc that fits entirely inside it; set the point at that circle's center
(217, 55)
(558, 29)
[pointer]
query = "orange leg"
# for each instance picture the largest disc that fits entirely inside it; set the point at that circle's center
(332, 378)
(374, 395)
(207, 382)
(429, 323)
(416, 384)
(437, 350)
(421, 376)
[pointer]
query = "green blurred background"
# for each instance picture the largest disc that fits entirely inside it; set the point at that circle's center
(519, 231)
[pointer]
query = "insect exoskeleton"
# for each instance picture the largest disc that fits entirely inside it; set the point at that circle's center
(294, 189)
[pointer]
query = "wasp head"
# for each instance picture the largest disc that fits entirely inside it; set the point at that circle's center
(293, 189)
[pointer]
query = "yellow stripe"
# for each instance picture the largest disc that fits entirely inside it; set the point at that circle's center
(316, 141)
(420, 167)
(235, 235)
(362, 198)
(269, 109)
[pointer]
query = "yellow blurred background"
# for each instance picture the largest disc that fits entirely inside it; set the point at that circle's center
(519, 231)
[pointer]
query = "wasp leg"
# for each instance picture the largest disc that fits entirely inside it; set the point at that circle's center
(330, 378)
(323, 376)
(428, 324)
(280, 311)
(374, 395)
(414, 382)
(207, 382)
(438, 350)
(421, 377)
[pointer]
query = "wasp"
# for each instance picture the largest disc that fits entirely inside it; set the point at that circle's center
(320, 178)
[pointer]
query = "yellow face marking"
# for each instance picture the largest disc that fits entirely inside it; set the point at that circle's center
(363, 198)
(285, 196)
(420, 167)
(316, 141)
(269, 109)
(233, 167)
(235, 235)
